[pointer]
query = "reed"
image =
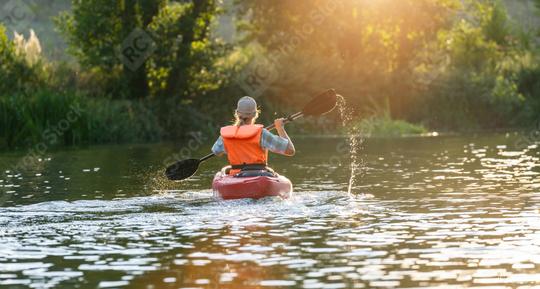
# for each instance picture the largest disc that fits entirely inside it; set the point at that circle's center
(57, 119)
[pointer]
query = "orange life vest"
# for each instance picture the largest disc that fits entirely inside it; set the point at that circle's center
(242, 144)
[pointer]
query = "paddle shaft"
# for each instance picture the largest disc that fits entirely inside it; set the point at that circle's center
(270, 127)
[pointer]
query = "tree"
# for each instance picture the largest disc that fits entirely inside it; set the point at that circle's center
(186, 53)
(481, 80)
(449, 63)
(367, 49)
(150, 46)
(96, 30)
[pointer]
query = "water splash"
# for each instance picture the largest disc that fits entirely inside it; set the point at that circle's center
(157, 182)
(355, 142)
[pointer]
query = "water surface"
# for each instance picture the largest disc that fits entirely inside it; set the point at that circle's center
(454, 211)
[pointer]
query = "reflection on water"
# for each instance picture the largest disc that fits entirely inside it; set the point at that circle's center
(441, 212)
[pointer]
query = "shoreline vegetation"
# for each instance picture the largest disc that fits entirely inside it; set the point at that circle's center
(455, 66)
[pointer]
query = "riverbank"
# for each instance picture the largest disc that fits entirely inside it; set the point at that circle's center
(455, 74)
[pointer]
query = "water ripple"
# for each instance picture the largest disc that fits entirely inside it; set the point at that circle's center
(463, 216)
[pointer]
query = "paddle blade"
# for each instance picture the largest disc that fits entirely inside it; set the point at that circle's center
(182, 170)
(321, 104)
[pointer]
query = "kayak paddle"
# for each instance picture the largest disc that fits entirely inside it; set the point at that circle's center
(319, 105)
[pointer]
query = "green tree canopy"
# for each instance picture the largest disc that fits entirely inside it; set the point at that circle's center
(364, 48)
(152, 47)
(414, 58)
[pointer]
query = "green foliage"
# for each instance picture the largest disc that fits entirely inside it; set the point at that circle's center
(383, 126)
(181, 63)
(529, 87)
(53, 119)
(184, 61)
(481, 82)
(365, 49)
(494, 21)
(15, 73)
(448, 64)
(184, 64)
(7, 55)
(96, 30)
(379, 123)
(39, 105)
(468, 48)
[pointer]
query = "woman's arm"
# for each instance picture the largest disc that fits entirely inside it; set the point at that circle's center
(218, 148)
(280, 127)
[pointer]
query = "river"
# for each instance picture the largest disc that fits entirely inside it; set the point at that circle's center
(447, 211)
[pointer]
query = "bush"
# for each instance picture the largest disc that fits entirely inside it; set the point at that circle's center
(16, 73)
(69, 119)
(384, 126)
(480, 86)
(529, 86)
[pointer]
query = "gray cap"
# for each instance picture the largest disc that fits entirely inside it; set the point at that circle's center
(247, 106)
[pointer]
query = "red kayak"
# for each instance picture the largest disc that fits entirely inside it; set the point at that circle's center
(228, 187)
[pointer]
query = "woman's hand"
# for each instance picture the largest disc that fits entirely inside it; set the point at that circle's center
(279, 123)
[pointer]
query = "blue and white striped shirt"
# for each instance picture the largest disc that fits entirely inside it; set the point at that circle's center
(269, 141)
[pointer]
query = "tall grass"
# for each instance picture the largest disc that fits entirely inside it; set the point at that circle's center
(384, 126)
(68, 119)
(379, 122)
(41, 104)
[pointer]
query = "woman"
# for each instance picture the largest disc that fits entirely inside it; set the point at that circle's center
(246, 143)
